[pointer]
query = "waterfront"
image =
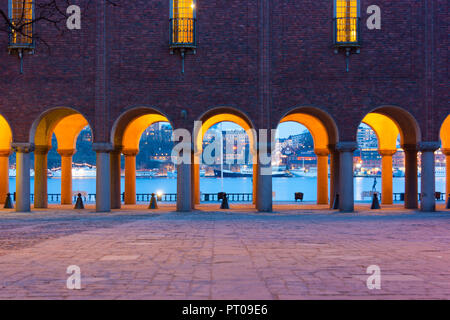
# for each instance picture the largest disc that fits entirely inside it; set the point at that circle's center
(284, 188)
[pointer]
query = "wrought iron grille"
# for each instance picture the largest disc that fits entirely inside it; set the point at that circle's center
(21, 14)
(346, 31)
(183, 33)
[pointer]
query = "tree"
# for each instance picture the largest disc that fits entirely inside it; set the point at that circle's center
(51, 12)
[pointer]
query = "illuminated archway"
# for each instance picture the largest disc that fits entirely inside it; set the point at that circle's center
(387, 133)
(388, 122)
(445, 141)
(5, 152)
(66, 124)
(324, 135)
(126, 135)
(207, 121)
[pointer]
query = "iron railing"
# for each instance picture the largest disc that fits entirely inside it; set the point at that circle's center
(183, 33)
(346, 32)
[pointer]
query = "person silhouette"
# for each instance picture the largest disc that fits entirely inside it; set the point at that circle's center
(374, 184)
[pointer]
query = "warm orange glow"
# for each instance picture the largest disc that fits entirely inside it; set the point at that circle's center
(386, 130)
(445, 133)
(183, 27)
(136, 128)
(5, 134)
(346, 19)
(315, 127)
(68, 129)
(22, 15)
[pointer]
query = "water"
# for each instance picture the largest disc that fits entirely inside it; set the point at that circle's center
(284, 188)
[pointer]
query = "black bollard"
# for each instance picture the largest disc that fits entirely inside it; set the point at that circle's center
(8, 202)
(153, 204)
(375, 202)
(224, 204)
(336, 202)
(79, 204)
(448, 202)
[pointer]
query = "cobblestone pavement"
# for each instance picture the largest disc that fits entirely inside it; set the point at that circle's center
(239, 254)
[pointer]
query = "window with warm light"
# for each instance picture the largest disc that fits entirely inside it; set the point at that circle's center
(183, 23)
(346, 22)
(21, 13)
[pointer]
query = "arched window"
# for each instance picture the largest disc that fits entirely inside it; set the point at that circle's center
(346, 22)
(21, 14)
(183, 24)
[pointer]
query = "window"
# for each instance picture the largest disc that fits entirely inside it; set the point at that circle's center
(183, 23)
(346, 22)
(21, 14)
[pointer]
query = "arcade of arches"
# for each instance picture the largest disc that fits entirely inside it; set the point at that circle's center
(387, 122)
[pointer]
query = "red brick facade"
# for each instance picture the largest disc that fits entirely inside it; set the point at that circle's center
(262, 57)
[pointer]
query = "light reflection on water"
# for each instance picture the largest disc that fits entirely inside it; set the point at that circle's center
(284, 188)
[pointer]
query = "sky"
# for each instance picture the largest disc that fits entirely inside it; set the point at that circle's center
(285, 129)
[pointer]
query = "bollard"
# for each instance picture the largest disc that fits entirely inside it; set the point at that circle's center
(224, 204)
(153, 204)
(336, 202)
(8, 202)
(448, 202)
(79, 204)
(375, 202)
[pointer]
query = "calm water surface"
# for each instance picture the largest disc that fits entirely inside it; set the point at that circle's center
(284, 188)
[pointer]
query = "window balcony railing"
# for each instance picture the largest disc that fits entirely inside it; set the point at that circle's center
(346, 32)
(183, 33)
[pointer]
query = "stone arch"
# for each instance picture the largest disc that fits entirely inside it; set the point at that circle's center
(203, 124)
(125, 137)
(388, 122)
(445, 145)
(325, 135)
(5, 152)
(66, 123)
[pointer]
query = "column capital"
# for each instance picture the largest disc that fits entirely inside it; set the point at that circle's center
(446, 151)
(22, 147)
(410, 147)
(42, 150)
(347, 146)
(130, 152)
(66, 152)
(387, 153)
(117, 149)
(429, 146)
(102, 147)
(5, 152)
(322, 152)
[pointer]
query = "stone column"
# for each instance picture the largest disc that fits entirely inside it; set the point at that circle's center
(346, 197)
(410, 176)
(130, 175)
(195, 176)
(322, 175)
(40, 177)
(116, 199)
(447, 169)
(103, 179)
(184, 186)
(23, 175)
(264, 179)
(255, 183)
(4, 174)
(66, 175)
(428, 182)
(386, 176)
(334, 173)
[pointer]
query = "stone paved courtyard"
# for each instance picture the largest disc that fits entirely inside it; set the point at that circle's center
(240, 254)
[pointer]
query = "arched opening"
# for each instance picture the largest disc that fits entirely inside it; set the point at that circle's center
(144, 137)
(305, 155)
(445, 149)
(387, 148)
(237, 160)
(55, 134)
(5, 152)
